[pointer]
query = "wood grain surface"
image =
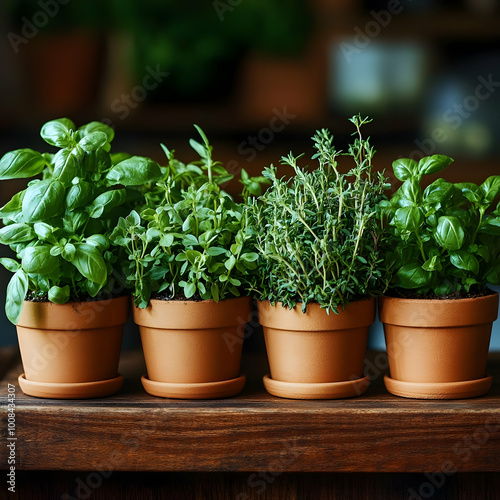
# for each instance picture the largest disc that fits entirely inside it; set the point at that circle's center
(254, 431)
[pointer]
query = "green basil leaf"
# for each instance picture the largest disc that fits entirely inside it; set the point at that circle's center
(493, 275)
(96, 127)
(16, 233)
(438, 192)
(14, 207)
(93, 141)
(404, 168)
(66, 166)
(134, 172)
(79, 195)
(107, 201)
(490, 188)
(89, 261)
(21, 164)
(433, 264)
(412, 276)
(433, 164)
(214, 289)
(43, 200)
(68, 252)
(16, 293)
(57, 133)
(38, 260)
(44, 231)
(410, 190)
(464, 260)
(59, 295)
(10, 264)
(449, 233)
(408, 219)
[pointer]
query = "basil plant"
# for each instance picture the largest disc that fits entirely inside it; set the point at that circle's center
(59, 226)
(444, 239)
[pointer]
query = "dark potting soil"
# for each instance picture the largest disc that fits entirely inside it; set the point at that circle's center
(178, 296)
(34, 297)
(474, 293)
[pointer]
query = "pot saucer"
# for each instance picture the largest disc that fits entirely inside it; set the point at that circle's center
(81, 390)
(327, 390)
(206, 390)
(443, 390)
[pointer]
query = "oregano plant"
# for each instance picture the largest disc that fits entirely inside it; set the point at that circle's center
(58, 227)
(317, 233)
(191, 239)
(444, 239)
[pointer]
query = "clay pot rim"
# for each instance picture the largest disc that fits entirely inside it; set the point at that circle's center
(439, 301)
(430, 312)
(357, 314)
(193, 315)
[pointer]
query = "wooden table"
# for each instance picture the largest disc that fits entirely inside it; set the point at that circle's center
(137, 446)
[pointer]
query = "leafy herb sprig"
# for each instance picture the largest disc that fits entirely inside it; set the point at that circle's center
(192, 242)
(444, 238)
(59, 226)
(318, 233)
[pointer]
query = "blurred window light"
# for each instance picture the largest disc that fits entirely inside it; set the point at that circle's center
(378, 77)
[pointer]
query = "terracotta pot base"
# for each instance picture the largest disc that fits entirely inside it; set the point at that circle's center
(82, 390)
(444, 390)
(325, 390)
(205, 390)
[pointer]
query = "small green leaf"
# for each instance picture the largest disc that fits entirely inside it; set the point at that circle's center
(135, 171)
(189, 290)
(43, 200)
(490, 188)
(252, 257)
(215, 251)
(59, 295)
(90, 263)
(214, 289)
(464, 260)
(16, 233)
(57, 133)
(10, 264)
(408, 219)
(450, 233)
(79, 195)
(66, 165)
(412, 276)
(93, 141)
(404, 168)
(16, 293)
(21, 164)
(39, 260)
(433, 164)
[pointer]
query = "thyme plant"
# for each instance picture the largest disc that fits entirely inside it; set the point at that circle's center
(317, 234)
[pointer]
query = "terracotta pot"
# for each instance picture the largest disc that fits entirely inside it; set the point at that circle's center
(192, 343)
(433, 342)
(316, 348)
(74, 343)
